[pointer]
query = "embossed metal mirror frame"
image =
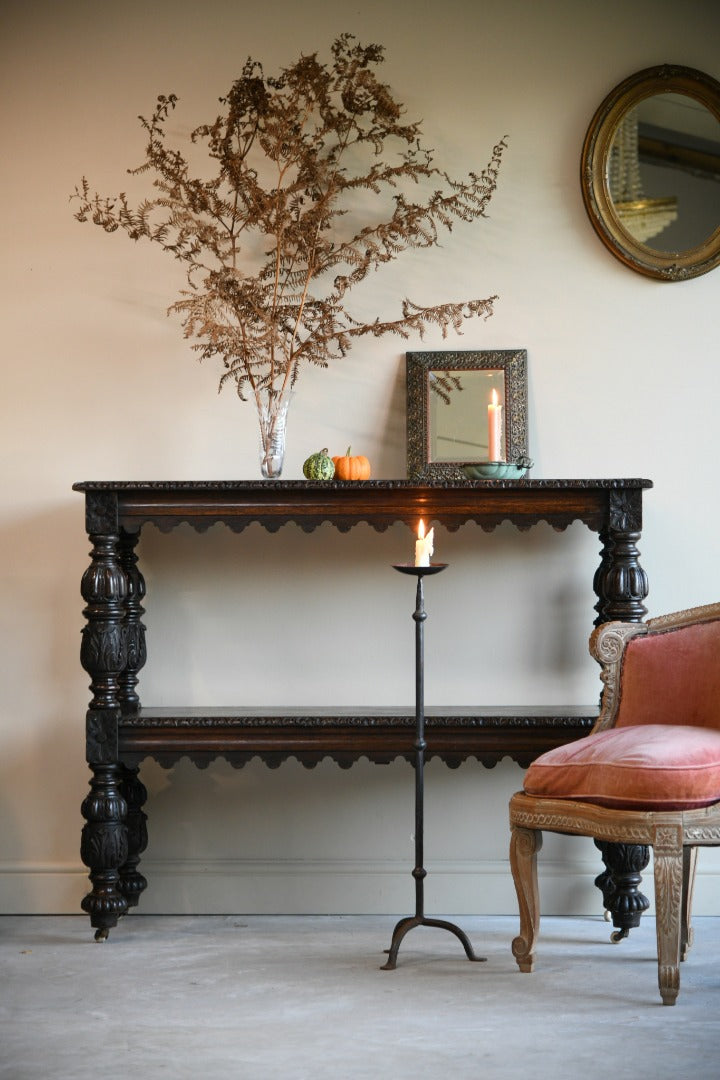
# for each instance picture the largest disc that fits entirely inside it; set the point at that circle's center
(664, 79)
(419, 365)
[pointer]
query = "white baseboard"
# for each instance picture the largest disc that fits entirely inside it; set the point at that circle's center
(330, 886)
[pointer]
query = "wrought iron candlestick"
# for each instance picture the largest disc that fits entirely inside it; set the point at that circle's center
(419, 873)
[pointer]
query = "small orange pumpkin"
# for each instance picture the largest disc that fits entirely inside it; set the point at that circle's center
(351, 468)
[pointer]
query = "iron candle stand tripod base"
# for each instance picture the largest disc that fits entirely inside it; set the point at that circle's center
(419, 873)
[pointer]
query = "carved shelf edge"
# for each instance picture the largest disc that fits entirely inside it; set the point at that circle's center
(344, 523)
(111, 505)
(180, 486)
(379, 735)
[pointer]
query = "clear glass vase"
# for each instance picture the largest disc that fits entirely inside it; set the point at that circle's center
(273, 426)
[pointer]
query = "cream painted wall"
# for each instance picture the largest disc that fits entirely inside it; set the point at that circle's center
(98, 383)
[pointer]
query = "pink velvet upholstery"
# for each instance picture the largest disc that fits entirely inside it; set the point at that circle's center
(672, 677)
(650, 767)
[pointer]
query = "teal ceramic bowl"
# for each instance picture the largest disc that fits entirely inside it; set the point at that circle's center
(495, 470)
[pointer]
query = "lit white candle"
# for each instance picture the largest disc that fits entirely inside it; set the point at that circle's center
(424, 545)
(494, 429)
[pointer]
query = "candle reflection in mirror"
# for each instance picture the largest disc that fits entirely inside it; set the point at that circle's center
(495, 452)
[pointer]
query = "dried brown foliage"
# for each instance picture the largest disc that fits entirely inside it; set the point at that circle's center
(270, 252)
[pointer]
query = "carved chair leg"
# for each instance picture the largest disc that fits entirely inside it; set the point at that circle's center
(132, 882)
(669, 873)
(524, 846)
(686, 931)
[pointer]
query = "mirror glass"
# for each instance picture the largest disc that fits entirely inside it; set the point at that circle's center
(451, 400)
(651, 172)
(664, 172)
(458, 404)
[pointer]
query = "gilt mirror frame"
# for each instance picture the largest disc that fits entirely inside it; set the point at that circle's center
(419, 366)
(663, 79)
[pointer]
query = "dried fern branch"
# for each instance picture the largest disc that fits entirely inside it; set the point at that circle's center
(270, 254)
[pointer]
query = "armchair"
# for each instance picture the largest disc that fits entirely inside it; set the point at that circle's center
(647, 775)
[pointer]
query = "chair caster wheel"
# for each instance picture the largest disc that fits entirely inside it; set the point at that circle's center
(102, 934)
(617, 936)
(606, 915)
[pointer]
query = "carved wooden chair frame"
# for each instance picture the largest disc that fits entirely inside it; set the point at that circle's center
(674, 835)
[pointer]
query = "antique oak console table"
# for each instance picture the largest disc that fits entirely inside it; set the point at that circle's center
(120, 732)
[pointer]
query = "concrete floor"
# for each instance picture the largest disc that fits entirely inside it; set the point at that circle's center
(266, 997)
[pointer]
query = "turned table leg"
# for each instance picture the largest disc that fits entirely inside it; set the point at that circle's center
(103, 654)
(132, 883)
(103, 848)
(133, 626)
(621, 586)
(621, 892)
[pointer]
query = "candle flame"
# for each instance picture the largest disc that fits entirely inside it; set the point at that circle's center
(494, 397)
(421, 530)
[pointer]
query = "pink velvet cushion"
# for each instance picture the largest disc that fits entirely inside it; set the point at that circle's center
(652, 766)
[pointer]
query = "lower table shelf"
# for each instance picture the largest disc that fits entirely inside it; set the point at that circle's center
(346, 735)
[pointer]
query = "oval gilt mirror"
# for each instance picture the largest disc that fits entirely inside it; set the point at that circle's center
(650, 172)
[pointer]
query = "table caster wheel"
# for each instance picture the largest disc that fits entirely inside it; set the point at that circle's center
(102, 934)
(617, 936)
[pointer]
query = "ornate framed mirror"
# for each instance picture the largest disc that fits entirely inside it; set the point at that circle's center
(450, 401)
(650, 172)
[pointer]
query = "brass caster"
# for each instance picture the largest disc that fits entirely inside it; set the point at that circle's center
(102, 934)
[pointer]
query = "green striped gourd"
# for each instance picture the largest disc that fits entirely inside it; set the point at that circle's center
(319, 466)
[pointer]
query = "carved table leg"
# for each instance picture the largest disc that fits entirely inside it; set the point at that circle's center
(624, 900)
(132, 882)
(621, 583)
(103, 848)
(621, 586)
(524, 847)
(103, 654)
(604, 882)
(132, 623)
(599, 579)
